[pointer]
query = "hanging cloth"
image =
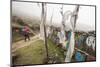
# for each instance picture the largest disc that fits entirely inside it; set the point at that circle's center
(79, 57)
(70, 48)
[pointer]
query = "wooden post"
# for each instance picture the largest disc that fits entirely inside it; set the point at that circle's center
(44, 22)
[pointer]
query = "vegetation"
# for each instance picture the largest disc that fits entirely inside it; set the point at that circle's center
(17, 36)
(35, 53)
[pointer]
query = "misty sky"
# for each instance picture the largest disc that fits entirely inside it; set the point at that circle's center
(86, 15)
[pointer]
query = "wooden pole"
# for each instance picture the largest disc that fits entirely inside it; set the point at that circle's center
(44, 22)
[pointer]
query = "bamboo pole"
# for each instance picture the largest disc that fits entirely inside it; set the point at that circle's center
(83, 52)
(44, 25)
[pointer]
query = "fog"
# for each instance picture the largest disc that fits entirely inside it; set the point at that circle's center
(86, 15)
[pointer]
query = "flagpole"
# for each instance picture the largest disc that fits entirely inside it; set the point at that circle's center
(44, 26)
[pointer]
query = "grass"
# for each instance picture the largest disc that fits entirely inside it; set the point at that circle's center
(55, 51)
(35, 53)
(16, 37)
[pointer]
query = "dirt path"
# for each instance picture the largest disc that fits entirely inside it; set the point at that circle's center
(22, 43)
